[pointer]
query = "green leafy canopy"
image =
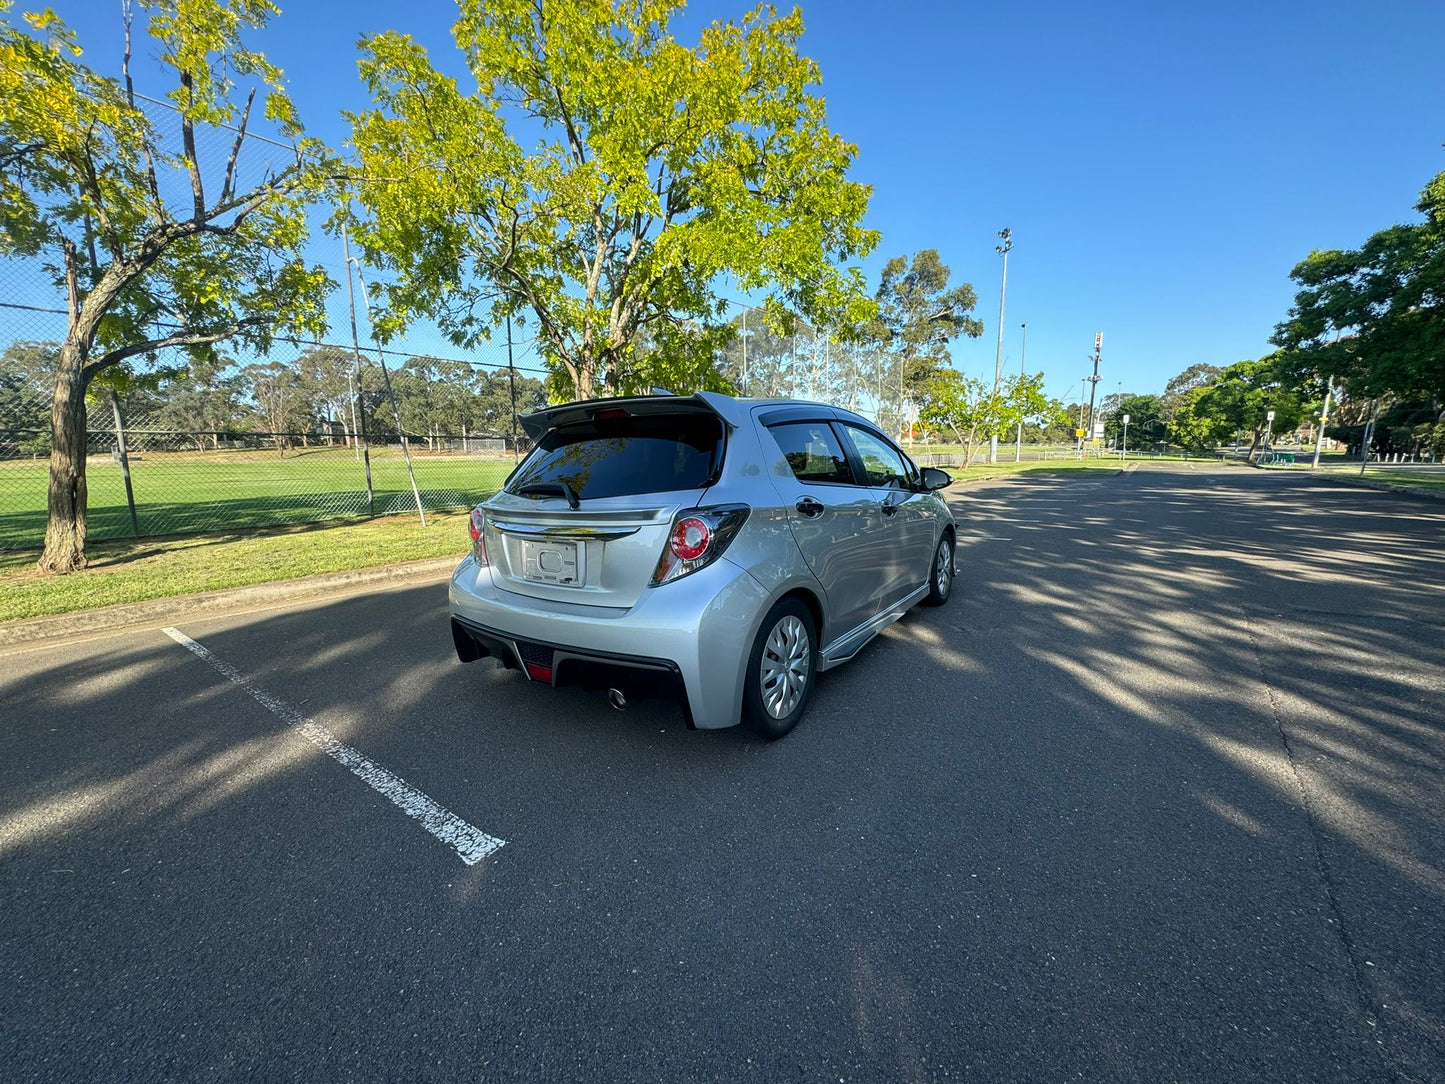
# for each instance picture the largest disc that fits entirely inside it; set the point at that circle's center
(604, 178)
(1375, 315)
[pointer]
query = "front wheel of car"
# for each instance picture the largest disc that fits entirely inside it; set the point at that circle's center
(940, 576)
(781, 669)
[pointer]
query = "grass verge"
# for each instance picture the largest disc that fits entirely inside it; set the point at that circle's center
(1409, 479)
(152, 568)
(165, 567)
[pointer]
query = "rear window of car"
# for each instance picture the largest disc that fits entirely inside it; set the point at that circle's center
(813, 452)
(656, 453)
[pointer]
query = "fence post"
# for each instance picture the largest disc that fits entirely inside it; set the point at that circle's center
(357, 402)
(386, 378)
(124, 461)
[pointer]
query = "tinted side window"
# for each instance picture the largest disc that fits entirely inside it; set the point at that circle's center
(882, 462)
(619, 458)
(813, 452)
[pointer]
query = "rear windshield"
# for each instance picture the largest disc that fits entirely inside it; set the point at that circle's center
(648, 454)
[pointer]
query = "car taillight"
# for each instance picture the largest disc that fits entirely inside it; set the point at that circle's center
(697, 539)
(690, 538)
(477, 528)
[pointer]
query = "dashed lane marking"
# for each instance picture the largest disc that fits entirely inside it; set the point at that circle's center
(471, 844)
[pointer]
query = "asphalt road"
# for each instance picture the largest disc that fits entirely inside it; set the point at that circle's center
(1158, 795)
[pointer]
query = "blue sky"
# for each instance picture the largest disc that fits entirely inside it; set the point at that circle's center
(1162, 165)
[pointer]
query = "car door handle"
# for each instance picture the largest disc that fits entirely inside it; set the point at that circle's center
(810, 506)
(890, 509)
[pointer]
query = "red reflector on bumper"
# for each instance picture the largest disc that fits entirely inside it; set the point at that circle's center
(539, 673)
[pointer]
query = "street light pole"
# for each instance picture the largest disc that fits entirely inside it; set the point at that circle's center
(1002, 249)
(1023, 357)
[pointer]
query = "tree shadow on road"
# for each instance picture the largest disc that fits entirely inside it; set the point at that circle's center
(1159, 789)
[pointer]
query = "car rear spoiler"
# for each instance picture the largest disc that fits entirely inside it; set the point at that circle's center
(586, 410)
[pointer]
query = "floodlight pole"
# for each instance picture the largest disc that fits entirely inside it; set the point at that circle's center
(1002, 249)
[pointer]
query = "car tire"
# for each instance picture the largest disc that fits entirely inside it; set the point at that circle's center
(940, 576)
(782, 669)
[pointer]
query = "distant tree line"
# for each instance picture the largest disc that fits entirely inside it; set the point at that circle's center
(1368, 324)
(313, 398)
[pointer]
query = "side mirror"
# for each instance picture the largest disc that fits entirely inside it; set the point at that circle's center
(933, 478)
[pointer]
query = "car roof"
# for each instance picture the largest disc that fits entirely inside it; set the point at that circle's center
(731, 409)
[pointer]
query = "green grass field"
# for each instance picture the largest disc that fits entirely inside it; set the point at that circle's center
(182, 493)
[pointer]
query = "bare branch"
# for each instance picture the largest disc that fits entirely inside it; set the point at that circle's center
(180, 338)
(90, 179)
(229, 185)
(12, 155)
(188, 141)
(158, 208)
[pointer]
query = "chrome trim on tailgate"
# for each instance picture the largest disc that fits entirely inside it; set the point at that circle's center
(601, 534)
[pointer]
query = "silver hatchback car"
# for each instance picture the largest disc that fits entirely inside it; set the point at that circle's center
(719, 551)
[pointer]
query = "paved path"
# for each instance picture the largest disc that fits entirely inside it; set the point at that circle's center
(1158, 795)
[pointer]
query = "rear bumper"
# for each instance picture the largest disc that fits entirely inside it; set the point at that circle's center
(695, 632)
(636, 676)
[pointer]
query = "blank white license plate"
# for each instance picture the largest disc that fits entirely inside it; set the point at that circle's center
(550, 561)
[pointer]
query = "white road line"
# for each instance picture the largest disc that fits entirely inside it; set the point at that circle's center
(471, 844)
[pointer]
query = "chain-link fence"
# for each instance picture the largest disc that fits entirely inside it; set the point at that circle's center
(310, 431)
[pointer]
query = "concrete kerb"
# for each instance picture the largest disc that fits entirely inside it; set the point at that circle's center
(157, 613)
(1383, 487)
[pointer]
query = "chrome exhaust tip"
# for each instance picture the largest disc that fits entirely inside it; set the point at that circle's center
(616, 699)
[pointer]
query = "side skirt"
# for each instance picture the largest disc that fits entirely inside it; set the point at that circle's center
(850, 643)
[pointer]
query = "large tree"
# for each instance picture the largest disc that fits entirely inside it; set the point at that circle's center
(84, 179)
(326, 378)
(604, 178)
(27, 371)
(917, 314)
(962, 405)
(1146, 420)
(1241, 399)
(1375, 315)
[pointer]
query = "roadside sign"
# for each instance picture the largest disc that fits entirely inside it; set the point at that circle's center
(1079, 433)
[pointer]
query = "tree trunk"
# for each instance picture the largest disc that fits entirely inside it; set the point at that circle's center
(65, 525)
(1255, 451)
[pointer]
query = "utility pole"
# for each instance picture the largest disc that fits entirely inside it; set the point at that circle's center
(1023, 357)
(1094, 380)
(1080, 450)
(1003, 250)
